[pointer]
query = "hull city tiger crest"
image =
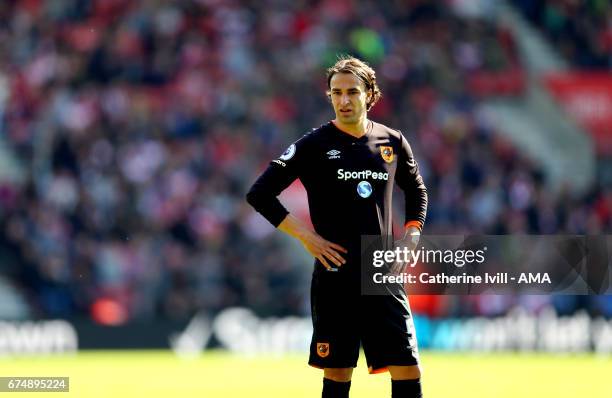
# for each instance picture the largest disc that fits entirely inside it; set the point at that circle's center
(387, 153)
(323, 349)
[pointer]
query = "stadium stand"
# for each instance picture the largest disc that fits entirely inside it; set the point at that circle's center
(139, 126)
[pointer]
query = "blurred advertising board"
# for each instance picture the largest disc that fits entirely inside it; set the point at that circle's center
(241, 331)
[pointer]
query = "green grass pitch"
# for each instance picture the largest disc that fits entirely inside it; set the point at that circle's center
(152, 374)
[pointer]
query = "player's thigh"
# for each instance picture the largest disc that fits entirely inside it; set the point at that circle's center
(389, 337)
(335, 340)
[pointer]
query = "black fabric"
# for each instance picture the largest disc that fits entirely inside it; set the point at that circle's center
(344, 320)
(406, 389)
(349, 182)
(341, 209)
(335, 389)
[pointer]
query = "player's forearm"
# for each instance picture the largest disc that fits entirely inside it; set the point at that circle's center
(263, 195)
(292, 226)
(268, 206)
(411, 182)
(416, 200)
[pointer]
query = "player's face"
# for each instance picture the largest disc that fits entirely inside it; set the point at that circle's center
(348, 97)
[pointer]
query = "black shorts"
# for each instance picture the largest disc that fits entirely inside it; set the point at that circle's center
(343, 319)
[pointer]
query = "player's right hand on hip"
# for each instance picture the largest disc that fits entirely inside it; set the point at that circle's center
(324, 250)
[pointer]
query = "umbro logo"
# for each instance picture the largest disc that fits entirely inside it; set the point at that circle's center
(333, 154)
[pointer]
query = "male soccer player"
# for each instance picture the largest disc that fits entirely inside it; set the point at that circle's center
(348, 167)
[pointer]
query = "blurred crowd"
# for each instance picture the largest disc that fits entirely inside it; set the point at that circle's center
(581, 30)
(140, 126)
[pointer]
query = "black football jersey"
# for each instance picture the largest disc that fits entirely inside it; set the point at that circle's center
(349, 182)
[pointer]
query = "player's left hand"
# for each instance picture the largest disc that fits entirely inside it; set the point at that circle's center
(410, 242)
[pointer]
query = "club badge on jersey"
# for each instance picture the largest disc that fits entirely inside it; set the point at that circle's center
(387, 153)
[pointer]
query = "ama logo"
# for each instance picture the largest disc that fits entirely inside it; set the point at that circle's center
(364, 189)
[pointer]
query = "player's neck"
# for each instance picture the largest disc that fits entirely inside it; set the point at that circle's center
(358, 129)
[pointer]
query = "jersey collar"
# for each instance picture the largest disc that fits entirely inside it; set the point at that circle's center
(352, 137)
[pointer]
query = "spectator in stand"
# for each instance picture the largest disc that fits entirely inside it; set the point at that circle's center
(581, 30)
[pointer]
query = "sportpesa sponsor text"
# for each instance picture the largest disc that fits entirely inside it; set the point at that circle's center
(361, 175)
